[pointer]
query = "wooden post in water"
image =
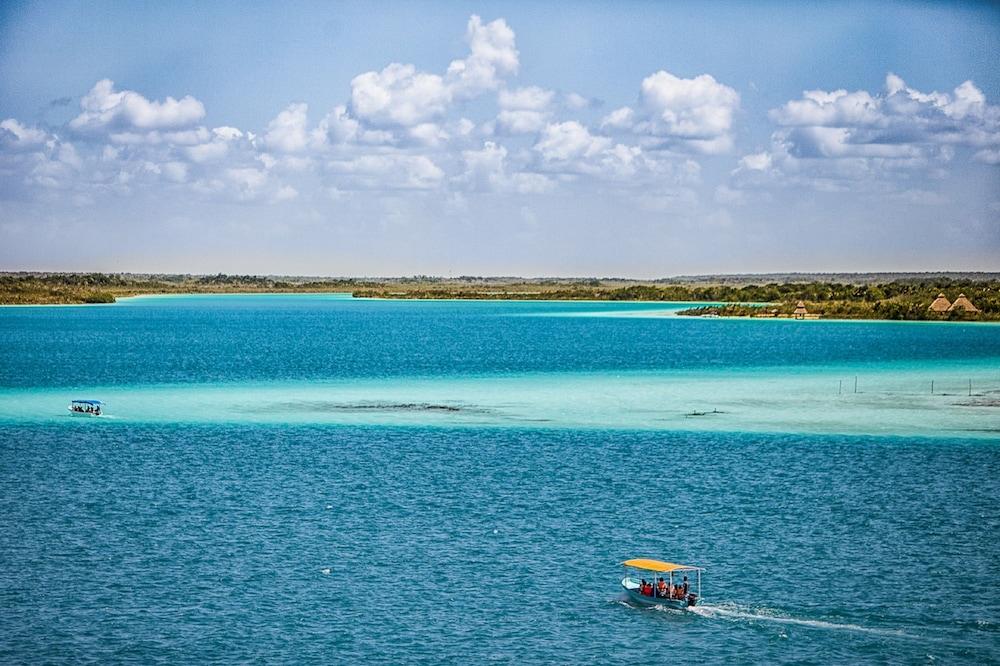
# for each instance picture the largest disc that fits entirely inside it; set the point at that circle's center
(840, 387)
(970, 388)
(932, 387)
(855, 383)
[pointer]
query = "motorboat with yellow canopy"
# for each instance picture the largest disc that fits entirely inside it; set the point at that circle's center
(669, 584)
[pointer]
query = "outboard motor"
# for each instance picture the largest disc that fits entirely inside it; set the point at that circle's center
(692, 599)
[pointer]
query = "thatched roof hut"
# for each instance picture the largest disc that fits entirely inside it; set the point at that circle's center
(940, 304)
(963, 303)
(800, 310)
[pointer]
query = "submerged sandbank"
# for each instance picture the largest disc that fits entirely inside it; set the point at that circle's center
(890, 400)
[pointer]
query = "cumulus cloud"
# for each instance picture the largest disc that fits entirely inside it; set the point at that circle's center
(673, 112)
(104, 107)
(901, 123)
(288, 132)
(561, 142)
(14, 135)
(521, 121)
(524, 110)
(493, 55)
(698, 108)
(399, 95)
(571, 148)
(531, 98)
(838, 140)
(487, 169)
(621, 118)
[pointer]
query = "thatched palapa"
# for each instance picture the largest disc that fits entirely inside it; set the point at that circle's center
(963, 304)
(940, 304)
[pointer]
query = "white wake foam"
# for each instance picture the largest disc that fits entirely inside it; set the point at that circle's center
(747, 614)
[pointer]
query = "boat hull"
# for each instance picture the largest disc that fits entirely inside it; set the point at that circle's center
(631, 587)
(643, 600)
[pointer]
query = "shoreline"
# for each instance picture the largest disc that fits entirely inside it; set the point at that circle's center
(347, 295)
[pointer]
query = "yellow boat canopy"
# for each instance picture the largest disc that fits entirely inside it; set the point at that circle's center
(656, 565)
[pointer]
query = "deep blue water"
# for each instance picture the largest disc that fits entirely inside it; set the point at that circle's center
(204, 543)
(252, 338)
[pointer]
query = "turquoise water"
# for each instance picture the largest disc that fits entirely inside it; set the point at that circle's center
(322, 479)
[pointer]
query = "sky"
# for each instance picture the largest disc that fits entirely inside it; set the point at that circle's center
(637, 139)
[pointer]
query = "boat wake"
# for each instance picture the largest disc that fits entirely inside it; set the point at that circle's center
(747, 614)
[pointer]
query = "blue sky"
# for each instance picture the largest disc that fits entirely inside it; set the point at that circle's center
(640, 139)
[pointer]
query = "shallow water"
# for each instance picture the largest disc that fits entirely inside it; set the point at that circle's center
(314, 479)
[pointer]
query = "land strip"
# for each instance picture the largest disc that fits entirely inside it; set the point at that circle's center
(850, 296)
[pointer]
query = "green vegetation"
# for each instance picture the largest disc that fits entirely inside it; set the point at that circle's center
(871, 296)
(899, 300)
(57, 288)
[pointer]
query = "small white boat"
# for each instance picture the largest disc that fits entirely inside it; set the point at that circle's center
(86, 408)
(670, 591)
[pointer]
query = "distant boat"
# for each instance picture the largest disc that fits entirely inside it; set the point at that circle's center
(86, 408)
(672, 593)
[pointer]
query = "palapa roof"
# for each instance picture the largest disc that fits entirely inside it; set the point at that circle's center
(963, 303)
(940, 304)
(800, 308)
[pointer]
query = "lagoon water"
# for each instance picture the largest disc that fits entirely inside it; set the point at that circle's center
(323, 479)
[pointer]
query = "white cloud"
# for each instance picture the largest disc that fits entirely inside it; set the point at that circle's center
(698, 108)
(493, 55)
(248, 181)
(338, 126)
(487, 169)
(829, 109)
(399, 95)
(618, 119)
(288, 131)
(531, 98)
(207, 152)
(756, 162)
(688, 114)
(19, 137)
(390, 171)
(521, 121)
(576, 101)
(841, 141)
(104, 107)
(902, 123)
(429, 134)
(569, 141)
(227, 133)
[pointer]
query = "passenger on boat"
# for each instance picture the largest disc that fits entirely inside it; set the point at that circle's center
(661, 588)
(685, 587)
(646, 589)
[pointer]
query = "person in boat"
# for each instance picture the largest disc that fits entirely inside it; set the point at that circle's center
(661, 588)
(647, 588)
(685, 588)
